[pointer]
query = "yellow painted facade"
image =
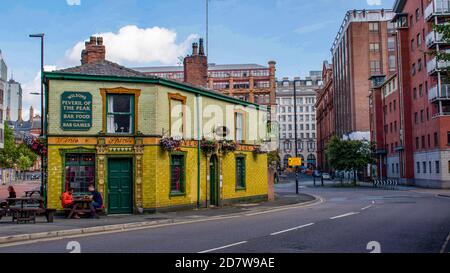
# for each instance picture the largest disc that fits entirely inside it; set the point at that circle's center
(151, 164)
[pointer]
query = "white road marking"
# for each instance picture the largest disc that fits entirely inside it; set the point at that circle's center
(344, 215)
(222, 247)
(366, 207)
(445, 244)
(291, 229)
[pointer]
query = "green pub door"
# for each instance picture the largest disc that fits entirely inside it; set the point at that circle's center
(120, 185)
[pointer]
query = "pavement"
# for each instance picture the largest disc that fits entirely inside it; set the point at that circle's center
(19, 186)
(348, 220)
(10, 232)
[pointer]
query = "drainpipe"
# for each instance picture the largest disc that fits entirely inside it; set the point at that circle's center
(198, 149)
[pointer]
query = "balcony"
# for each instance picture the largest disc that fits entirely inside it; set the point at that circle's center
(437, 8)
(434, 66)
(436, 94)
(433, 38)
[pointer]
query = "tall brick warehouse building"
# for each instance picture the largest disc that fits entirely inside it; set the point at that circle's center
(412, 108)
(363, 48)
(249, 82)
(325, 115)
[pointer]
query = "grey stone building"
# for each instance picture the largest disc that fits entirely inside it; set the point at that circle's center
(306, 118)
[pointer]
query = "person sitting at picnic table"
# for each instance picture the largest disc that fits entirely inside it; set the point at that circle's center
(97, 201)
(12, 194)
(67, 201)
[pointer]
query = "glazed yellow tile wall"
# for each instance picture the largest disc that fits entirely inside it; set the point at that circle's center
(55, 174)
(147, 105)
(255, 176)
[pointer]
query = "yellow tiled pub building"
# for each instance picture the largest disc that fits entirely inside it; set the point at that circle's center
(104, 126)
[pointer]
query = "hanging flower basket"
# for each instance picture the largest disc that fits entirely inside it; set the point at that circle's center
(228, 146)
(36, 144)
(170, 144)
(257, 150)
(209, 146)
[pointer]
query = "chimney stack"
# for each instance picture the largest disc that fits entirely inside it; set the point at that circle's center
(31, 114)
(95, 51)
(196, 66)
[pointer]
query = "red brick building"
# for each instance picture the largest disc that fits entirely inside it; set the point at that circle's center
(363, 48)
(411, 110)
(250, 82)
(325, 115)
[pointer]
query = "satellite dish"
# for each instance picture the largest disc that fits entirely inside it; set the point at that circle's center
(222, 131)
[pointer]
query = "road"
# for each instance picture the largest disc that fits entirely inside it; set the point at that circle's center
(407, 221)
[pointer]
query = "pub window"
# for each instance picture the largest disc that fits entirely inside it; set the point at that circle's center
(239, 127)
(177, 174)
(240, 172)
(79, 172)
(120, 114)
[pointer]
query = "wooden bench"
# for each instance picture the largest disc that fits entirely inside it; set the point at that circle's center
(82, 211)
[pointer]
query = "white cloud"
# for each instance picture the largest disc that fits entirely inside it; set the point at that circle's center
(73, 2)
(33, 87)
(134, 45)
(374, 2)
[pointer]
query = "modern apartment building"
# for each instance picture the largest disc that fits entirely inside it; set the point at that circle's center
(3, 79)
(364, 47)
(412, 108)
(306, 118)
(325, 115)
(13, 101)
(249, 82)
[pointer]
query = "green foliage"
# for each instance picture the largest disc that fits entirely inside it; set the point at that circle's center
(13, 155)
(349, 155)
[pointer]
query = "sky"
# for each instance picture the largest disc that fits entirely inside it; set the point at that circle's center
(297, 34)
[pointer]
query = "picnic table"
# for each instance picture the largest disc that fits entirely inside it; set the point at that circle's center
(25, 209)
(32, 192)
(81, 205)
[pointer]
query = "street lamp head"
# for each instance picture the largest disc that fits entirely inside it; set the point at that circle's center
(38, 35)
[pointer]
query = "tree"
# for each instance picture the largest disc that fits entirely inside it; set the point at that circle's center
(349, 155)
(13, 155)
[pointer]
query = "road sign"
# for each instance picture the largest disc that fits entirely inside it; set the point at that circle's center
(295, 161)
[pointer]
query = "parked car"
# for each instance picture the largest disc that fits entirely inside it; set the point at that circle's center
(326, 176)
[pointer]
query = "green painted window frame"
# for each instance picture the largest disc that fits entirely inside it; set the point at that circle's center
(132, 122)
(80, 150)
(183, 173)
(241, 183)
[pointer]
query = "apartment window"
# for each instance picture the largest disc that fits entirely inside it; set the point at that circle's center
(417, 15)
(177, 173)
(429, 167)
(416, 118)
(423, 142)
(120, 116)
(417, 143)
(419, 65)
(412, 44)
(395, 105)
(395, 126)
(448, 138)
(392, 63)
(415, 93)
(391, 44)
(373, 27)
(436, 139)
(413, 69)
(418, 166)
(240, 172)
(437, 166)
(429, 141)
(375, 47)
(239, 127)
(428, 114)
(419, 39)
(421, 116)
(421, 90)
(424, 165)
(375, 67)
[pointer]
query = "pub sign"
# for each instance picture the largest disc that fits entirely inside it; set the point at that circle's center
(76, 111)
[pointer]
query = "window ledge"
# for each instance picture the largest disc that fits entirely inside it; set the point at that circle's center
(177, 194)
(241, 188)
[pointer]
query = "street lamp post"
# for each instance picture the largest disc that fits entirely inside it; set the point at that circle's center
(295, 134)
(41, 36)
